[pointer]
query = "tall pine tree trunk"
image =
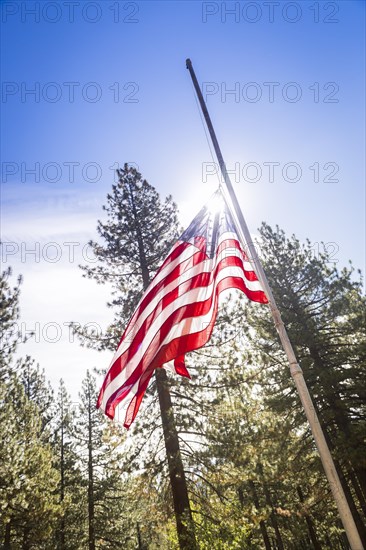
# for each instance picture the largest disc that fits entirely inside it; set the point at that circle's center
(273, 516)
(309, 523)
(26, 545)
(182, 510)
(90, 484)
(262, 525)
(356, 516)
(361, 477)
(140, 545)
(178, 483)
(7, 536)
(358, 490)
(62, 482)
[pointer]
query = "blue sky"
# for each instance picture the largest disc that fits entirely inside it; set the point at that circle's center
(110, 86)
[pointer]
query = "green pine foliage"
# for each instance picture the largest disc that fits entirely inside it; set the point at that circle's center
(323, 310)
(28, 479)
(28, 504)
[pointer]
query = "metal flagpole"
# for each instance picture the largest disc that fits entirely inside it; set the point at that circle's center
(295, 370)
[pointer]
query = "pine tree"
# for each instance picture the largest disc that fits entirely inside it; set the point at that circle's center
(69, 533)
(99, 451)
(28, 478)
(90, 427)
(323, 311)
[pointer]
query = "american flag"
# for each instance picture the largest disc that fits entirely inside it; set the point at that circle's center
(178, 310)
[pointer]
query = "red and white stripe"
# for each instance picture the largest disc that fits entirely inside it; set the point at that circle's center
(175, 315)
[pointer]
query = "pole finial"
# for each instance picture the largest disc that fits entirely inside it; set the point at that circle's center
(188, 63)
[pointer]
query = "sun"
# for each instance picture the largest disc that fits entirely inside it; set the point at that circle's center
(215, 204)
